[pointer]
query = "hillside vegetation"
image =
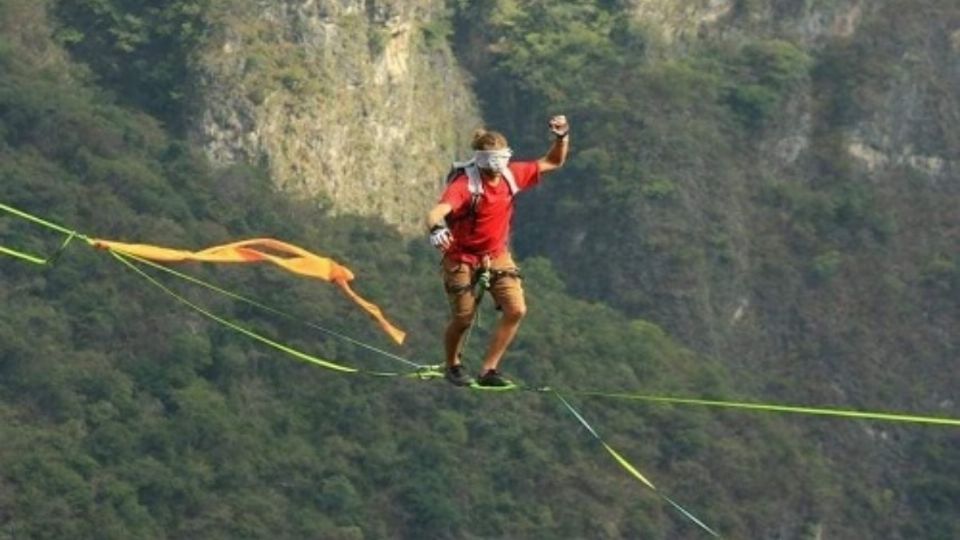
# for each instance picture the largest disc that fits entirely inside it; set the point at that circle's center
(785, 206)
(124, 415)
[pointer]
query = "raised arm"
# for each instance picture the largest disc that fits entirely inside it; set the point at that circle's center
(557, 154)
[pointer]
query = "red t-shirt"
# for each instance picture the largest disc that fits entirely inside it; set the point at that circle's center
(487, 233)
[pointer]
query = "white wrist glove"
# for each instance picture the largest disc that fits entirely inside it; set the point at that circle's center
(440, 237)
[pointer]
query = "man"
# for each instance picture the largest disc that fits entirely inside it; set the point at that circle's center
(471, 226)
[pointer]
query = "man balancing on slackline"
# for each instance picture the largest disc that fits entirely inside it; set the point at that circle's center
(471, 226)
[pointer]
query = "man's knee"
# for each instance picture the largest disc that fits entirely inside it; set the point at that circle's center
(462, 308)
(514, 312)
(508, 294)
(462, 320)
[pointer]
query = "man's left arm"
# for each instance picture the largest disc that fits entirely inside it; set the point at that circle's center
(557, 154)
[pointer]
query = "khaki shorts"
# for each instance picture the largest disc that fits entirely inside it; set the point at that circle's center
(507, 291)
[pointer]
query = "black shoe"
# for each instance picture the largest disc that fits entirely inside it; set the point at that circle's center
(493, 378)
(457, 375)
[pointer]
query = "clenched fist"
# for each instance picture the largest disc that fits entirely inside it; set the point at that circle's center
(559, 126)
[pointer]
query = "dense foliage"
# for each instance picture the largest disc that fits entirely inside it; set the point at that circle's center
(679, 162)
(123, 415)
(141, 51)
(719, 187)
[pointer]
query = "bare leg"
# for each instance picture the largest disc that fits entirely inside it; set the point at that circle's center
(502, 337)
(453, 341)
(507, 292)
(463, 305)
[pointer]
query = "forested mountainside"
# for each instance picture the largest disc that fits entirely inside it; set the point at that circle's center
(760, 205)
(776, 184)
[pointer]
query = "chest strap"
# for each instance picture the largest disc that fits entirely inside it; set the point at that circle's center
(475, 185)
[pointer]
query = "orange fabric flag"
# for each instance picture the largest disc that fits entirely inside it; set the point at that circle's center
(287, 256)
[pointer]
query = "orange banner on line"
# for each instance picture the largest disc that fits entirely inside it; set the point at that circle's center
(287, 256)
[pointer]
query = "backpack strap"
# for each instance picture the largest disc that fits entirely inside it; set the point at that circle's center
(511, 181)
(475, 183)
(475, 187)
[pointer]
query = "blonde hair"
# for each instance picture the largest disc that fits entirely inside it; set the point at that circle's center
(488, 140)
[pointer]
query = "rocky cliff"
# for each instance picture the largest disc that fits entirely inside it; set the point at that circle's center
(920, 91)
(683, 23)
(356, 103)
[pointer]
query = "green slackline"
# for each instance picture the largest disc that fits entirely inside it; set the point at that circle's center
(776, 408)
(39, 221)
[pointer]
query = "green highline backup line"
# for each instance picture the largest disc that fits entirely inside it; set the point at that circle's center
(249, 333)
(273, 310)
(629, 467)
(23, 256)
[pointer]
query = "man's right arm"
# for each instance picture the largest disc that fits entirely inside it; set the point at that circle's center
(438, 214)
(440, 235)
